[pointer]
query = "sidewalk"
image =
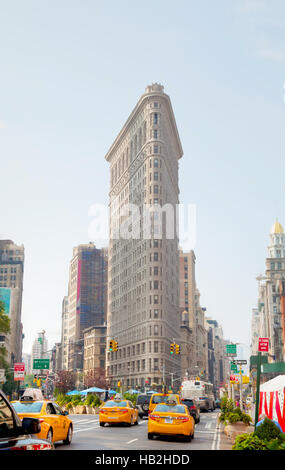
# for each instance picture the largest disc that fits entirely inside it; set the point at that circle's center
(225, 441)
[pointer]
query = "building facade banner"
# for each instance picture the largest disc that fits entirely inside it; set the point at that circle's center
(5, 297)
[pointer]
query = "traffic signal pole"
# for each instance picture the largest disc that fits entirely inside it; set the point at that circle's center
(257, 389)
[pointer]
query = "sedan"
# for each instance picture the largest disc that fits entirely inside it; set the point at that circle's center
(193, 407)
(55, 425)
(174, 420)
(118, 411)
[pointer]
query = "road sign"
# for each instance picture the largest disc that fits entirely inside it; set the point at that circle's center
(19, 371)
(239, 362)
(231, 349)
(40, 364)
(263, 344)
(234, 367)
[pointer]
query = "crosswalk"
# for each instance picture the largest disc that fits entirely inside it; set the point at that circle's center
(85, 424)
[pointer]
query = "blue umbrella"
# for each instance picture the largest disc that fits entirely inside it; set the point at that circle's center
(112, 392)
(74, 392)
(92, 389)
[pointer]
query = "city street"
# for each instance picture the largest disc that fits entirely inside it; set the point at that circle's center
(88, 435)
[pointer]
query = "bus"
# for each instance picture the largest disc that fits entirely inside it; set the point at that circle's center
(201, 391)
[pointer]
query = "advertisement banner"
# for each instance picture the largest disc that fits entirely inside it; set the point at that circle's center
(5, 297)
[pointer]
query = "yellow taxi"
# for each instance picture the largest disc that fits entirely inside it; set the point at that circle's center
(118, 410)
(55, 425)
(157, 398)
(171, 420)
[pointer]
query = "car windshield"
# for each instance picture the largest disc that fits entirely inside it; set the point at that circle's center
(112, 403)
(158, 399)
(187, 402)
(170, 409)
(23, 407)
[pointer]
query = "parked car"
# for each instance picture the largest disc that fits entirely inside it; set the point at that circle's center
(142, 404)
(193, 407)
(16, 434)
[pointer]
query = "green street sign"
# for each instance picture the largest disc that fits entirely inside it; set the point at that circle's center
(40, 364)
(231, 349)
(234, 367)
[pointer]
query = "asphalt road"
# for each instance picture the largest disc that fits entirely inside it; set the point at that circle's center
(88, 435)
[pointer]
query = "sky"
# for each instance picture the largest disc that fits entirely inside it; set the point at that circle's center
(72, 71)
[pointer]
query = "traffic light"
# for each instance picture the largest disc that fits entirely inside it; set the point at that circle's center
(172, 348)
(177, 349)
(113, 345)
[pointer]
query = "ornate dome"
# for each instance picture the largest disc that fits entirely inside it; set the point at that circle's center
(277, 228)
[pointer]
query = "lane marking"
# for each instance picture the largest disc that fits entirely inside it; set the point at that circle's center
(85, 429)
(132, 441)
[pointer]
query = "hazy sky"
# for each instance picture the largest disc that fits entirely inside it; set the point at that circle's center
(71, 73)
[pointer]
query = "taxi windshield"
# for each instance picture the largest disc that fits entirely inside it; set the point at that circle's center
(111, 403)
(159, 398)
(28, 407)
(170, 409)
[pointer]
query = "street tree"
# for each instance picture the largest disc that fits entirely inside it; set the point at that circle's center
(65, 380)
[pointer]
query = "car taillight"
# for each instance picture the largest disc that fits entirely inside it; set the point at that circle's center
(193, 407)
(102, 411)
(125, 411)
(41, 420)
(184, 419)
(154, 417)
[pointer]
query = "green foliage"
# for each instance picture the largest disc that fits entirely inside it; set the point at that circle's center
(266, 439)
(224, 402)
(249, 442)
(233, 415)
(253, 442)
(92, 400)
(77, 400)
(63, 400)
(130, 397)
(267, 430)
